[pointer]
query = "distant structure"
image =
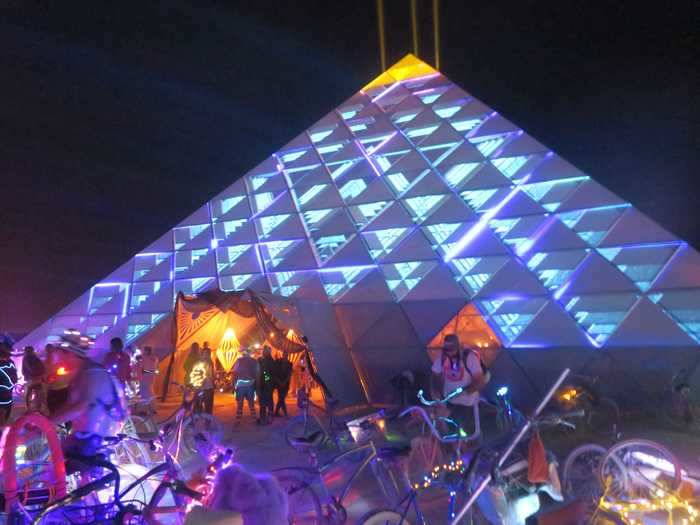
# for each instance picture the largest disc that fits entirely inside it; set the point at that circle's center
(410, 211)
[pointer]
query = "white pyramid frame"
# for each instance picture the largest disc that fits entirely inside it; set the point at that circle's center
(413, 190)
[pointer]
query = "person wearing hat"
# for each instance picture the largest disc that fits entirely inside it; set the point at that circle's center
(245, 376)
(95, 403)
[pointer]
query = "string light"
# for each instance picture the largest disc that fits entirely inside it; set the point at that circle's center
(434, 474)
(665, 502)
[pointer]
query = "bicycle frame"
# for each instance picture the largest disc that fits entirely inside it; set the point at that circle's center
(511, 446)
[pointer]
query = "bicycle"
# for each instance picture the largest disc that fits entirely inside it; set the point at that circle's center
(310, 499)
(308, 429)
(581, 393)
(124, 507)
(186, 427)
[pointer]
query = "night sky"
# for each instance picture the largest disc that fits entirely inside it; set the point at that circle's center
(116, 122)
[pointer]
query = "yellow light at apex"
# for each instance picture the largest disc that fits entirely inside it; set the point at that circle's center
(405, 69)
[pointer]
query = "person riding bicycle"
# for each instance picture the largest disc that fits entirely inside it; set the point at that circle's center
(457, 368)
(95, 403)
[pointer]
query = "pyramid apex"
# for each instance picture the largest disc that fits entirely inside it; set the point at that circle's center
(408, 67)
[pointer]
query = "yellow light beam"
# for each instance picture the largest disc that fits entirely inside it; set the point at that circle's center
(436, 31)
(414, 26)
(382, 44)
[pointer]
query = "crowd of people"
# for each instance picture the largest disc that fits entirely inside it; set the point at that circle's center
(266, 379)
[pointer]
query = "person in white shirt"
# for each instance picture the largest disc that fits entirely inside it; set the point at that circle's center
(457, 367)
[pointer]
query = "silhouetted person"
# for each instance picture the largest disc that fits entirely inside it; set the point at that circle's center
(283, 377)
(33, 371)
(117, 361)
(266, 385)
(245, 376)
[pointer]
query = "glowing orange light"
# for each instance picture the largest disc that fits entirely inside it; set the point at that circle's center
(272, 334)
(62, 371)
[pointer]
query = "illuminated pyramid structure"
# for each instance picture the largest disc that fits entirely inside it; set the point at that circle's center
(398, 208)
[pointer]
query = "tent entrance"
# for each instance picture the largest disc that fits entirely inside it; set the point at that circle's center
(230, 322)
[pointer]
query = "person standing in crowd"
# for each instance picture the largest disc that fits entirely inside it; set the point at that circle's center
(458, 368)
(190, 360)
(8, 379)
(266, 385)
(245, 375)
(208, 381)
(95, 404)
(33, 371)
(148, 368)
(117, 361)
(57, 377)
(283, 377)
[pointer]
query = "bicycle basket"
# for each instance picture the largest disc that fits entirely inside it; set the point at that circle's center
(367, 427)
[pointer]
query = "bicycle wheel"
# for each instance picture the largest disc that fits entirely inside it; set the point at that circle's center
(304, 504)
(144, 427)
(200, 433)
(637, 468)
(384, 517)
(580, 475)
(301, 428)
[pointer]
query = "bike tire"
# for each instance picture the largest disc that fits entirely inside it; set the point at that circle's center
(613, 463)
(585, 487)
(304, 503)
(383, 517)
(301, 427)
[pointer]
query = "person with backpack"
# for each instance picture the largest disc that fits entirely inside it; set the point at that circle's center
(457, 367)
(245, 376)
(8, 380)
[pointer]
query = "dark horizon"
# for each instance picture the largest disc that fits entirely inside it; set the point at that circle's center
(119, 121)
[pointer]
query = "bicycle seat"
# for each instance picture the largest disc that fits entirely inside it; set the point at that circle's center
(310, 441)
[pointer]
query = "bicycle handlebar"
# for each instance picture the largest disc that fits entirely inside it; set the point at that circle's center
(442, 401)
(449, 438)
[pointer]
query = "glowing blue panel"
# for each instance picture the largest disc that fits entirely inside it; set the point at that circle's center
(263, 200)
(352, 189)
(509, 166)
(421, 132)
(683, 306)
(421, 207)
(510, 316)
(551, 194)
(448, 111)
(439, 233)
(223, 206)
(146, 263)
(640, 263)
(309, 194)
(273, 253)
(555, 268)
(235, 283)
(459, 173)
(362, 214)
(593, 224)
(599, 315)
(226, 257)
(338, 281)
(314, 218)
(269, 224)
(478, 200)
(487, 145)
(184, 235)
(139, 324)
(320, 135)
(398, 182)
(141, 292)
(326, 246)
(292, 156)
(466, 125)
(474, 272)
(401, 278)
(382, 242)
